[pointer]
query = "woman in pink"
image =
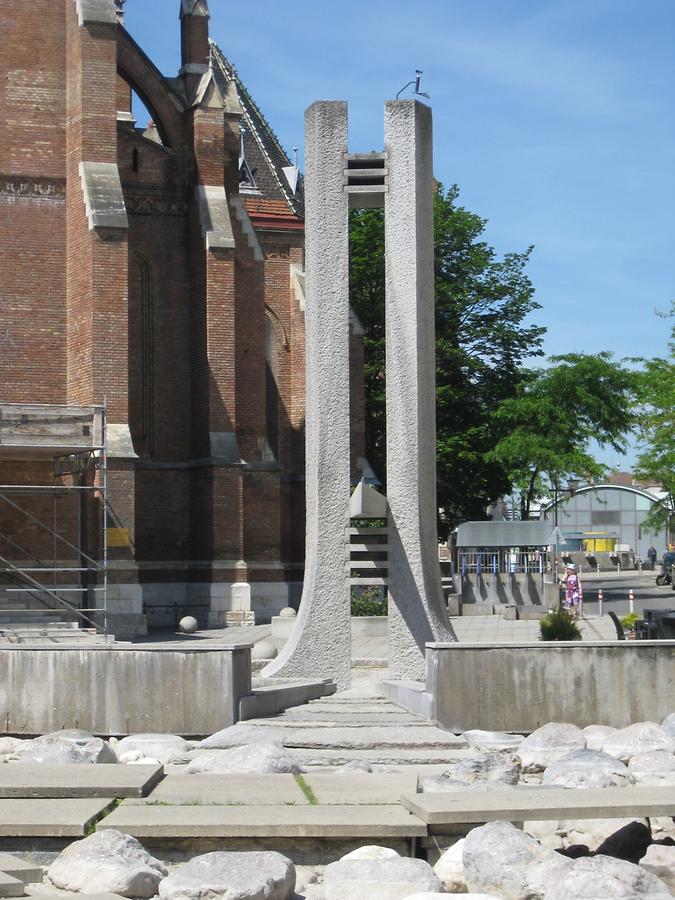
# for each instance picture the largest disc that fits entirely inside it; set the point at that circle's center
(573, 592)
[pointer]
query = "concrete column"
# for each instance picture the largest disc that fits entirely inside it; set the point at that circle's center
(320, 645)
(417, 612)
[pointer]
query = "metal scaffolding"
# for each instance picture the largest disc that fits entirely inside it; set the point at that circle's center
(73, 583)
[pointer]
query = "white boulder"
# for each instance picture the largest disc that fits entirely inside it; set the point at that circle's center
(642, 737)
(65, 747)
(464, 895)
(10, 746)
(162, 747)
(596, 734)
(587, 769)
(668, 725)
(656, 767)
(253, 758)
(660, 861)
(241, 734)
(372, 851)
(107, 862)
(490, 769)
(548, 744)
(593, 877)
(493, 740)
(500, 859)
(450, 868)
(231, 875)
(386, 879)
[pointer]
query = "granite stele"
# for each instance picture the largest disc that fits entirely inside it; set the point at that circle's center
(400, 180)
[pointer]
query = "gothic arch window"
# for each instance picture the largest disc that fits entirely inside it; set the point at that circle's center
(141, 353)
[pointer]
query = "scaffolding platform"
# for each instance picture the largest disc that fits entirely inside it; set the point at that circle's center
(70, 582)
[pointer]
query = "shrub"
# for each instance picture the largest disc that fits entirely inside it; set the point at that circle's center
(369, 601)
(558, 626)
(629, 621)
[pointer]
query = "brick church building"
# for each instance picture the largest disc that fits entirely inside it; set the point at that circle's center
(155, 271)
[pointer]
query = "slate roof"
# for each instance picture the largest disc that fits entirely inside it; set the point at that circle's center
(264, 154)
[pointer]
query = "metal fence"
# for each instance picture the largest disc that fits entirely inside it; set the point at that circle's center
(486, 562)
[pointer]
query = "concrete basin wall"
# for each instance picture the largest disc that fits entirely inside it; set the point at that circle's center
(114, 690)
(519, 687)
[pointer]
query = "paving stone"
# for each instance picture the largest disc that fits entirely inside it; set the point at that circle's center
(367, 737)
(225, 790)
(539, 803)
(170, 822)
(26, 872)
(358, 789)
(10, 887)
(389, 756)
(55, 781)
(50, 818)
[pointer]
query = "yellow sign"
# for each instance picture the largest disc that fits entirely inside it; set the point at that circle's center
(118, 537)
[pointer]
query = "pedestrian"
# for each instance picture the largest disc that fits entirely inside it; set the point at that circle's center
(651, 556)
(573, 591)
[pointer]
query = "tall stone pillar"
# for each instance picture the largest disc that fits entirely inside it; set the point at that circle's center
(320, 644)
(417, 613)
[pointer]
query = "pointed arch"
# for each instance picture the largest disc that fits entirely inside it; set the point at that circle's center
(141, 74)
(278, 326)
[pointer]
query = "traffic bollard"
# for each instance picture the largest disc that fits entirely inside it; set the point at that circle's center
(600, 598)
(631, 601)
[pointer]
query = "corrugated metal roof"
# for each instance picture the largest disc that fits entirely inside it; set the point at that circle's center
(504, 534)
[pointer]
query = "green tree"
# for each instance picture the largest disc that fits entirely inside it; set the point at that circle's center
(656, 432)
(556, 412)
(482, 302)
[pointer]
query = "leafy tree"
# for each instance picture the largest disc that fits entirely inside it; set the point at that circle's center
(482, 302)
(656, 432)
(555, 414)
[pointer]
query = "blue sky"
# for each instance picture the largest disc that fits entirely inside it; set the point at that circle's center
(555, 118)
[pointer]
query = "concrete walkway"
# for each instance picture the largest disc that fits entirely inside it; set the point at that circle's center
(469, 629)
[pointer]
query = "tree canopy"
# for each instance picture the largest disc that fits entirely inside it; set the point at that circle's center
(482, 341)
(655, 385)
(556, 413)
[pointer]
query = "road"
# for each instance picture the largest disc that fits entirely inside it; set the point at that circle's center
(615, 587)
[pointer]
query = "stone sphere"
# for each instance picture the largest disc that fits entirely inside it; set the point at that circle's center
(263, 650)
(188, 625)
(287, 613)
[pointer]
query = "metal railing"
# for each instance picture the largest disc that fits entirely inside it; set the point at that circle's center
(502, 562)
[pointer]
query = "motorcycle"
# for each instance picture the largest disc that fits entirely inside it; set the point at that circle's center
(665, 576)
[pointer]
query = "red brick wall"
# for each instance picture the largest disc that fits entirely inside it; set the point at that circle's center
(172, 335)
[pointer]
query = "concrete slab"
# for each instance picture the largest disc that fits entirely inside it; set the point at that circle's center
(369, 737)
(539, 804)
(50, 818)
(173, 822)
(228, 790)
(387, 756)
(19, 868)
(367, 788)
(56, 781)
(10, 887)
